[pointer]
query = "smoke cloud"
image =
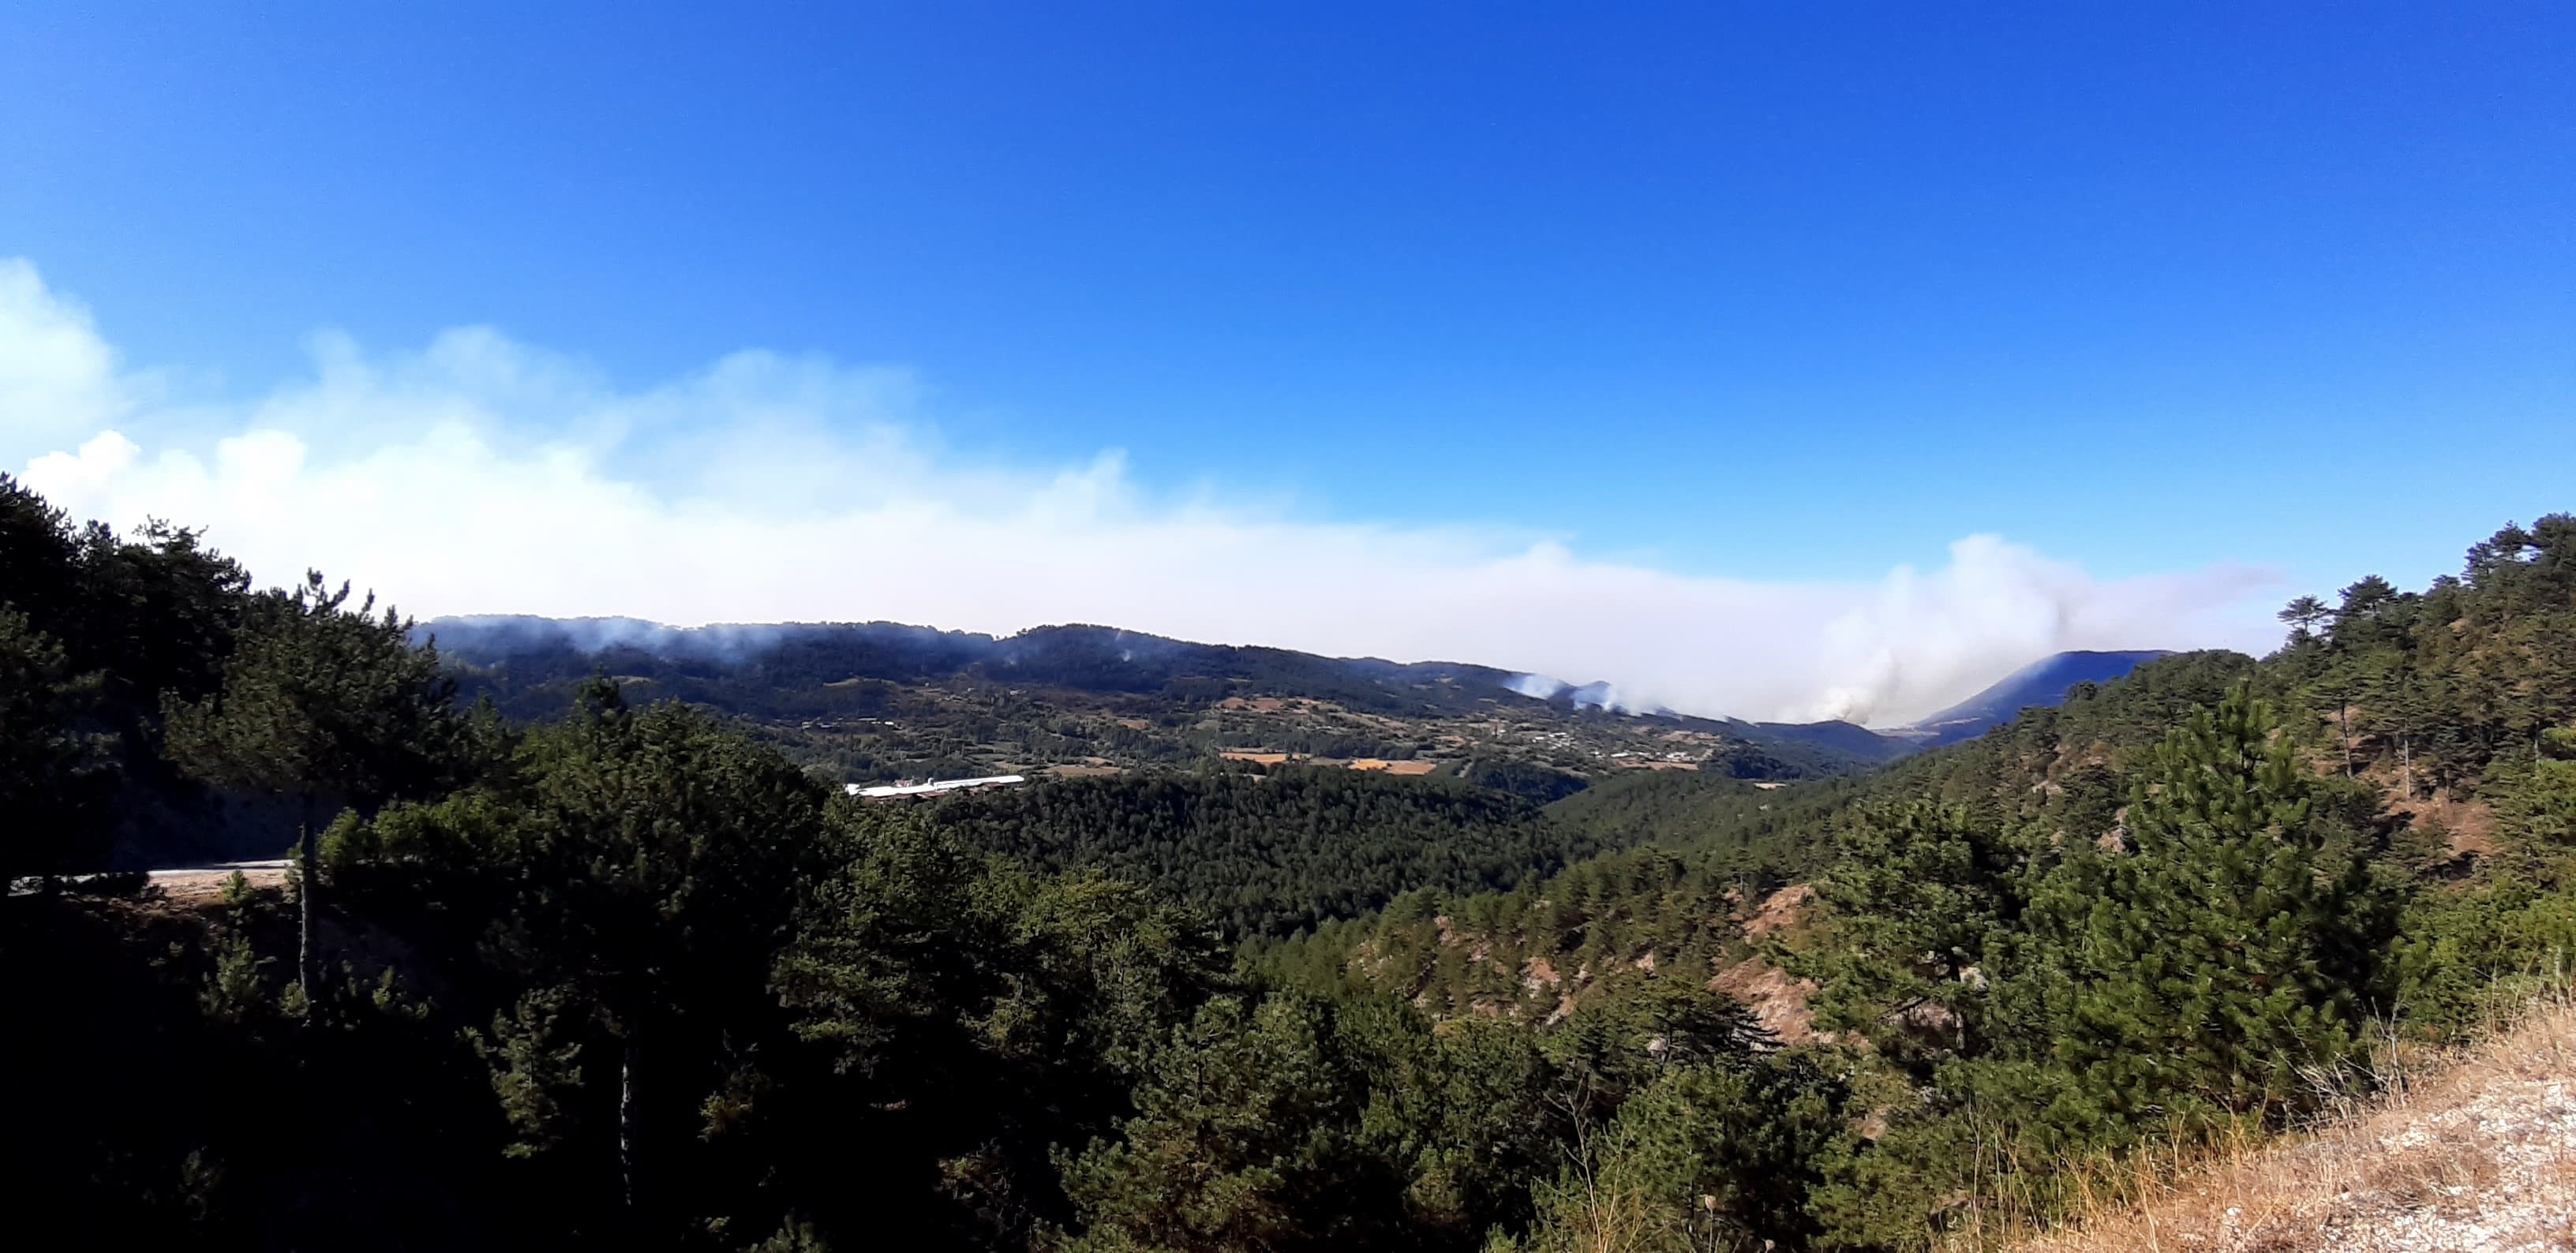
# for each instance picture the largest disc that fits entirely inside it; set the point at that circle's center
(479, 475)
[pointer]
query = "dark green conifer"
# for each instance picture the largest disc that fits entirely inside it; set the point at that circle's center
(2223, 953)
(55, 776)
(1918, 892)
(324, 705)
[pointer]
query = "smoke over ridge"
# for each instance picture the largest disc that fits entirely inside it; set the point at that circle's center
(481, 476)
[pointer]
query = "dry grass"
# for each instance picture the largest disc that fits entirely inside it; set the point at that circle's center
(2469, 1150)
(199, 888)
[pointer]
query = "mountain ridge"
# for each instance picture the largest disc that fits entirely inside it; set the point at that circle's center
(2044, 682)
(1081, 695)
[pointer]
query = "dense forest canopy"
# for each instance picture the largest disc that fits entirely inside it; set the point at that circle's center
(628, 975)
(1277, 852)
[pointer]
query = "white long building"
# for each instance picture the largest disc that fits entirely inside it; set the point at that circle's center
(890, 791)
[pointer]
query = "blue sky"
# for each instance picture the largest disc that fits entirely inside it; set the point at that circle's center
(1785, 294)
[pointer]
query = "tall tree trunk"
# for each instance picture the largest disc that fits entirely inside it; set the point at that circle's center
(304, 902)
(626, 1124)
(2343, 719)
(2406, 730)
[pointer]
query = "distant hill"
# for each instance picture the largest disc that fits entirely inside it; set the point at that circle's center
(2042, 683)
(1839, 737)
(880, 700)
(1083, 658)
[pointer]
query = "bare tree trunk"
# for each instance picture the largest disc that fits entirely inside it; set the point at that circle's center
(2343, 719)
(2406, 731)
(304, 903)
(626, 1124)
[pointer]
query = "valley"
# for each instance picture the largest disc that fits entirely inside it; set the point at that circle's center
(879, 702)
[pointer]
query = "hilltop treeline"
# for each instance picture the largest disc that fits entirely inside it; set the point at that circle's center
(627, 978)
(530, 662)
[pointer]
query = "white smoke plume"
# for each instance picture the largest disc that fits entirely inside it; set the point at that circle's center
(483, 476)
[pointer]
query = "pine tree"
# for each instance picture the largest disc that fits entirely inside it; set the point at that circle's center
(640, 878)
(1241, 1141)
(322, 704)
(2303, 616)
(55, 776)
(2199, 971)
(1710, 1156)
(1919, 891)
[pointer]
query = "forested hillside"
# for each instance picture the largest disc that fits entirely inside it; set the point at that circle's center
(2151, 912)
(1716, 849)
(630, 977)
(877, 701)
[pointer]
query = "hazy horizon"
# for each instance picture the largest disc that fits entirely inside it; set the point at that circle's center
(1761, 365)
